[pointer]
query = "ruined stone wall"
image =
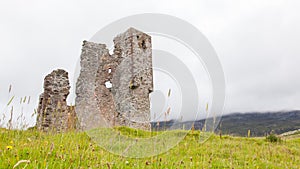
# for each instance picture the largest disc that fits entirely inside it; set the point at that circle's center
(133, 80)
(104, 86)
(86, 101)
(116, 86)
(53, 112)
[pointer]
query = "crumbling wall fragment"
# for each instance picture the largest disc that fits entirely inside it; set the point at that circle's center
(53, 112)
(87, 108)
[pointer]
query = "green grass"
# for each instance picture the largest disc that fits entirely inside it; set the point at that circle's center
(77, 150)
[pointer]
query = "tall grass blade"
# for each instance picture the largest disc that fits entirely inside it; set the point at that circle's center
(28, 100)
(10, 100)
(9, 90)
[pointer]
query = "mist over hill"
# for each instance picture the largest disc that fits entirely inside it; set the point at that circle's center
(238, 124)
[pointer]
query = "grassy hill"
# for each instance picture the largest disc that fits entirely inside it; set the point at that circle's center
(77, 150)
(238, 124)
(260, 124)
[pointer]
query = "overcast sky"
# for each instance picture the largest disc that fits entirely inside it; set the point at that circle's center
(257, 42)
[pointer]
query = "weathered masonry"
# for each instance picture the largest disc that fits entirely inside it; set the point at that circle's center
(113, 89)
(53, 112)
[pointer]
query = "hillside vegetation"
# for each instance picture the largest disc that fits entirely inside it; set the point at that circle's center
(238, 124)
(33, 149)
(260, 124)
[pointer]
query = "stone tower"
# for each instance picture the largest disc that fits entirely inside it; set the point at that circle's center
(113, 90)
(53, 112)
(86, 103)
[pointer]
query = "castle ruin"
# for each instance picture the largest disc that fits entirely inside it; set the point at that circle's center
(111, 90)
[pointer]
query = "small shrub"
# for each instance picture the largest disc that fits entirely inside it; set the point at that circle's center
(273, 138)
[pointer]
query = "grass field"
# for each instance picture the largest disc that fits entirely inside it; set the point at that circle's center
(33, 149)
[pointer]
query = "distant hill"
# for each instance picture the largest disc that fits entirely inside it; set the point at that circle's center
(260, 124)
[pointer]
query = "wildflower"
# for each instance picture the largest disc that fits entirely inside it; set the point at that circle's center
(126, 162)
(9, 147)
(62, 148)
